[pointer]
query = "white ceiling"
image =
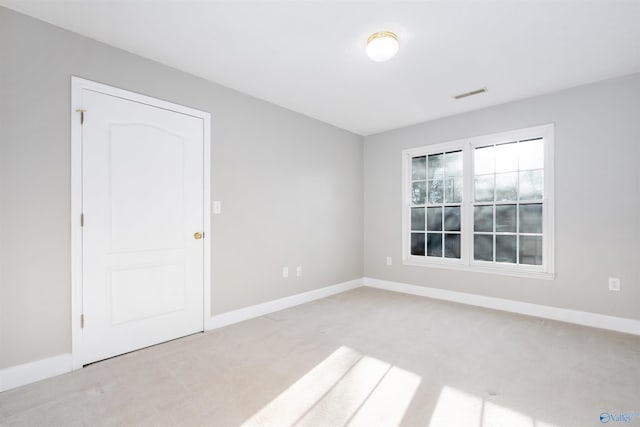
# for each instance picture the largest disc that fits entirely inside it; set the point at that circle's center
(308, 56)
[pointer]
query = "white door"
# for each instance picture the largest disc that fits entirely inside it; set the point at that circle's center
(142, 197)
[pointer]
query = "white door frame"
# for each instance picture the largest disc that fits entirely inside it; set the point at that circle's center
(77, 86)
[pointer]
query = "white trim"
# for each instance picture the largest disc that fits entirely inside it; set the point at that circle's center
(549, 212)
(246, 313)
(76, 230)
(208, 230)
(77, 85)
(594, 320)
(27, 373)
(80, 83)
(17, 376)
(31, 372)
(500, 270)
(466, 261)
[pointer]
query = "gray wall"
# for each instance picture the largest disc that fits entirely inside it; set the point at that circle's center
(290, 186)
(315, 220)
(597, 197)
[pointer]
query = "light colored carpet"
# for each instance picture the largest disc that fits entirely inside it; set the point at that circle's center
(366, 357)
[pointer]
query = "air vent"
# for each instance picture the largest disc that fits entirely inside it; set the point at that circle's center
(473, 92)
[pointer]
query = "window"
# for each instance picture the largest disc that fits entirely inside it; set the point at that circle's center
(436, 200)
(482, 204)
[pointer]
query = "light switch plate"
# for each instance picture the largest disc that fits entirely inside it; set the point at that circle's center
(216, 207)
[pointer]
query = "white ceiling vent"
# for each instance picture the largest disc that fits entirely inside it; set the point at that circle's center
(473, 92)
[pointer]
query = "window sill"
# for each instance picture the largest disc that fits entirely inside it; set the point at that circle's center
(502, 271)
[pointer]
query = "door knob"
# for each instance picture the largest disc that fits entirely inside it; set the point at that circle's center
(198, 235)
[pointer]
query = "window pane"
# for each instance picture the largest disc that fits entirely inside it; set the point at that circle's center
(531, 250)
(484, 188)
(453, 162)
(418, 193)
(453, 190)
(436, 166)
(483, 247)
(531, 185)
(506, 187)
(434, 244)
(531, 154)
(506, 219)
(452, 218)
(417, 219)
(507, 199)
(434, 219)
(507, 157)
(483, 218)
(417, 244)
(483, 160)
(419, 168)
(436, 192)
(506, 249)
(531, 218)
(452, 245)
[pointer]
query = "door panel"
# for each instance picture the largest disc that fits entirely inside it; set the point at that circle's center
(142, 203)
(140, 292)
(156, 195)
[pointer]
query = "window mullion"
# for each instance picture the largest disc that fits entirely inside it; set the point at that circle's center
(467, 203)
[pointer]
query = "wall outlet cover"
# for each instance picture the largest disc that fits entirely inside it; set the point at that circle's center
(614, 284)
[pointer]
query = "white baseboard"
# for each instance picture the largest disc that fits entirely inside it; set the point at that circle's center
(618, 324)
(16, 376)
(27, 373)
(235, 316)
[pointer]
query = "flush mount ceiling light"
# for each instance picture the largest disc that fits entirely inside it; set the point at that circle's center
(382, 46)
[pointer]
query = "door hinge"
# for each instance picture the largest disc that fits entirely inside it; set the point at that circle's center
(81, 111)
(81, 220)
(82, 321)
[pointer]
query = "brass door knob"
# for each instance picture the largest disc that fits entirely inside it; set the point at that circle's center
(198, 235)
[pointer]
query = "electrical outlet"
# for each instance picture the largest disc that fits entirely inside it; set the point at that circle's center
(614, 284)
(299, 271)
(285, 272)
(389, 261)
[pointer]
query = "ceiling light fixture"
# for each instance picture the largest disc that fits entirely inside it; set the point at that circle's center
(382, 46)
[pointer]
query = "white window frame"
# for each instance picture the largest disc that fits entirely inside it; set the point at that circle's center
(466, 261)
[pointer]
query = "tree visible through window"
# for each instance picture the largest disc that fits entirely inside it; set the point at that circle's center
(436, 204)
(508, 202)
(482, 202)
